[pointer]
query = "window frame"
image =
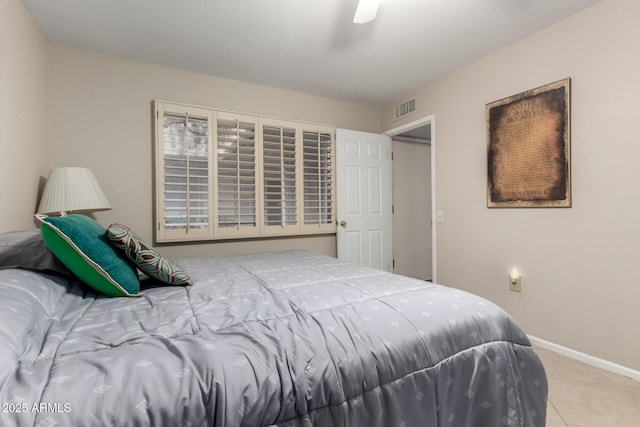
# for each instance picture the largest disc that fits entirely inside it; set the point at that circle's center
(239, 232)
(330, 225)
(261, 230)
(282, 229)
(162, 233)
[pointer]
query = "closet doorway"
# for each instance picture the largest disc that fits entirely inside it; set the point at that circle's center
(413, 238)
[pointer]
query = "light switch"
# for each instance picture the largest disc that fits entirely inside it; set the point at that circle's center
(440, 217)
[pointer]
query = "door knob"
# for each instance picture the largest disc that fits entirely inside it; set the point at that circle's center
(343, 223)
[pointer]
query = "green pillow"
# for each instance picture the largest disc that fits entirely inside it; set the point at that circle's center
(82, 246)
(145, 257)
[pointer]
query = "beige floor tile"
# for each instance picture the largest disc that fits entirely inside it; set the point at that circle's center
(553, 417)
(585, 396)
(627, 385)
(585, 407)
(561, 368)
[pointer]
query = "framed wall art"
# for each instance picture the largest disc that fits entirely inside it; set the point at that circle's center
(529, 148)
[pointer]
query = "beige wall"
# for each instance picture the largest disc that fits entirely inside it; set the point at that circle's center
(412, 209)
(101, 118)
(24, 115)
(579, 284)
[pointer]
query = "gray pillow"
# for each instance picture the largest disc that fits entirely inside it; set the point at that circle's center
(26, 250)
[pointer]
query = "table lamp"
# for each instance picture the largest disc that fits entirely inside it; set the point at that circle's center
(72, 189)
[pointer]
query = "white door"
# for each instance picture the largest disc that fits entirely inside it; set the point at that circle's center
(363, 182)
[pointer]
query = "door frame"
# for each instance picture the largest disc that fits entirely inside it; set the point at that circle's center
(431, 119)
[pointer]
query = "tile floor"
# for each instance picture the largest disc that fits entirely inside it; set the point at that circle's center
(581, 395)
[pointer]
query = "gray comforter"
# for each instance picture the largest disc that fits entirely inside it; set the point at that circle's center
(283, 339)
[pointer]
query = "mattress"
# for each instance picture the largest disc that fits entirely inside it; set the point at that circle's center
(278, 339)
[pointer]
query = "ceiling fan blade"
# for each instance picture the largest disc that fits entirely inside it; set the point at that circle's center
(366, 11)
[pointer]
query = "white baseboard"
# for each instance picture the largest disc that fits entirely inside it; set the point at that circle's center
(588, 359)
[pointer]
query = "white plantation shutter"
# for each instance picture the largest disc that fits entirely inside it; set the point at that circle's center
(222, 175)
(236, 197)
(279, 178)
(319, 172)
(184, 164)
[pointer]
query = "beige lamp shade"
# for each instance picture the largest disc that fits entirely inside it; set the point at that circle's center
(72, 189)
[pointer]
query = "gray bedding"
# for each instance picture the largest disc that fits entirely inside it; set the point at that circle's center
(283, 339)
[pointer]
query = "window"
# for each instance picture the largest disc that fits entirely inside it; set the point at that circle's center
(184, 165)
(280, 178)
(222, 175)
(236, 176)
(318, 178)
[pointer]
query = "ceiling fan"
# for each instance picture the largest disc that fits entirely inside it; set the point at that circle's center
(366, 11)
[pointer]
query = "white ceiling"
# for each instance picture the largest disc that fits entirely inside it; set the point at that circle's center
(309, 46)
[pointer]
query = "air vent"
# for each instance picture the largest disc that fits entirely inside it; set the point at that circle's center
(405, 108)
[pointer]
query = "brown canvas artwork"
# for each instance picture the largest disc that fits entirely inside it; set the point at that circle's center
(528, 145)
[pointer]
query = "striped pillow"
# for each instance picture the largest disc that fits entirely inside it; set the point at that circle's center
(146, 258)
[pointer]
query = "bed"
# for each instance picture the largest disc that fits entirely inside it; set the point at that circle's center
(276, 339)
